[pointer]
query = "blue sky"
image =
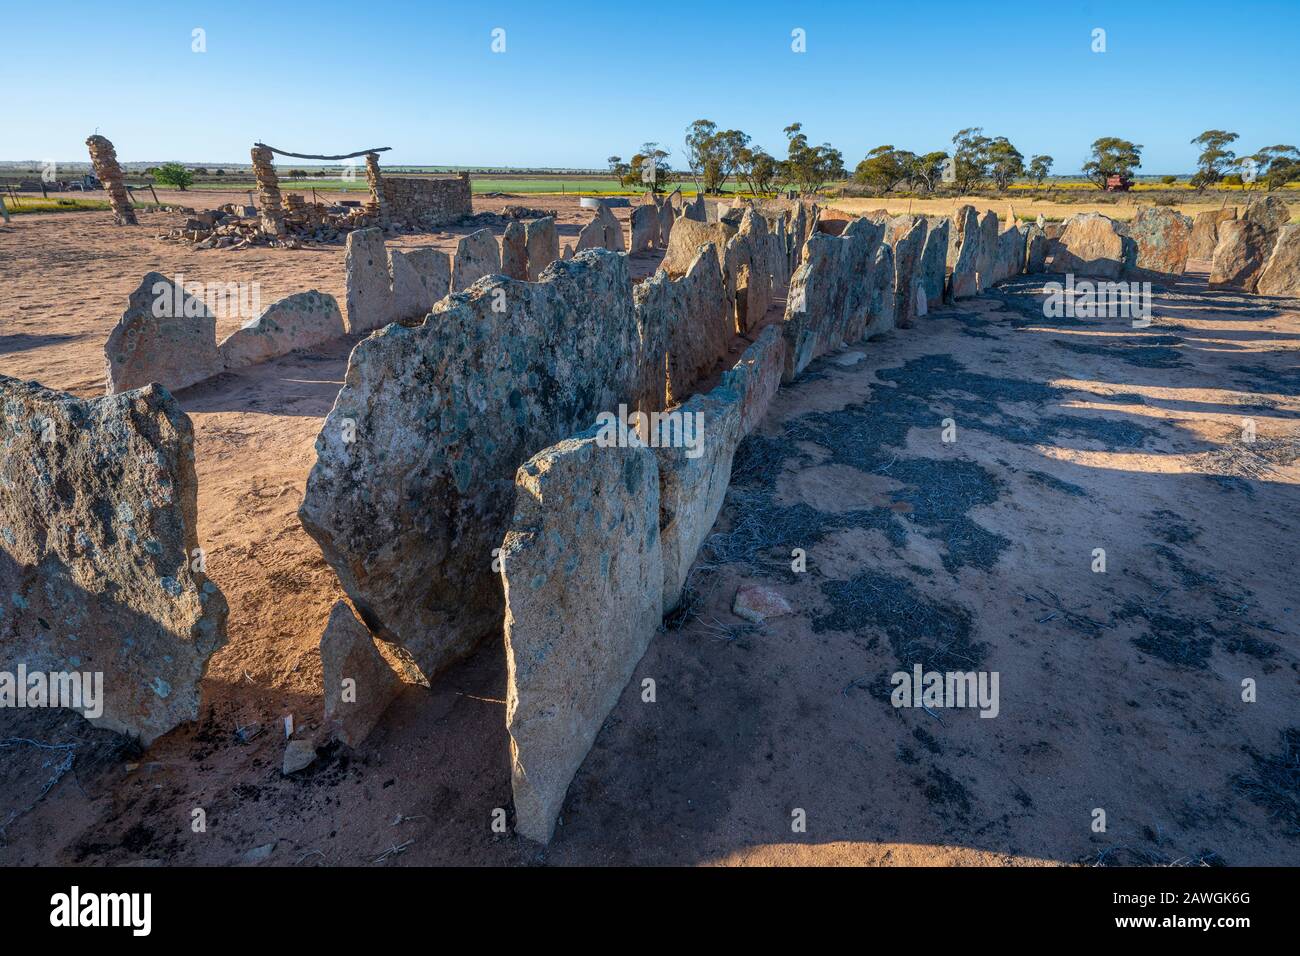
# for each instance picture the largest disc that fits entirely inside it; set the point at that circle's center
(580, 81)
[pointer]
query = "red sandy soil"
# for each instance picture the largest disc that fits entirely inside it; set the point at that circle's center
(1118, 690)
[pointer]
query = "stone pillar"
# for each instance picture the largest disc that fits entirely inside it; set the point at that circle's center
(377, 207)
(104, 158)
(268, 192)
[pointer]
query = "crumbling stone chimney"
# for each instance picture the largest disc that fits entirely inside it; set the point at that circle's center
(104, 158)
(269, 208)
(378, 207)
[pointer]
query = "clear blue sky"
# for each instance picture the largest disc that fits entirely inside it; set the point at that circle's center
(580, 81)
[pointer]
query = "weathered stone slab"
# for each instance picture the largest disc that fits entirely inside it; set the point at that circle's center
(1010, 260)
(908, 246)
(477, 255)
(420, 278)
(814, 309)
(1270, 213)
(667, 216)
(165, 335)
(757, 376)
(748, 271)
(591, 236)
(613, 229)
(368, 282)
(1036, 244)
(583, 577)
(1281, 272)
(695, 321)
(514, 252)
(1163, 238)
(298, 321)
(964, 282)
(1090, 245)
(986, 259)
(1205, 232)
(862, 238)
(543, 244)
(693, 481)
(645, 228)
(413, 483)
(686, 239)
(882, 302)
(99, 551)
(696, 210)
(934, 256)
(1240, 255)
(359, 682)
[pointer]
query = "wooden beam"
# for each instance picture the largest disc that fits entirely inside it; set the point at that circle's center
(377, 149)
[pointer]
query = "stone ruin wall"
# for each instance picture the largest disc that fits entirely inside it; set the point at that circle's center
(426, 202)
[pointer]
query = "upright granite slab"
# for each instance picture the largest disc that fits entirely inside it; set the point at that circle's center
(414, 479)
(99, 551)
(298, 321)
(645, 228)
(1205, 232)
(1281, 272)
(1036, 245)
(514, 252)
(882, 301)
(367, 280)
(987, 256)
(1163, 238)
(583, 577)
(420, 278)
(165, 335)
(1010, 259)
(543, 245)
(908, 246)
(934, 257)
(667, 216)
(748, 271)
(477, 255)
(693, 481)
(1091, 245)
(1244, 246)
(359, 683)
(964, 283)
(690, 316)
(687, 237)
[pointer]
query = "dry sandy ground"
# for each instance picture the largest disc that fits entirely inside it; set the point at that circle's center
(1118, 690)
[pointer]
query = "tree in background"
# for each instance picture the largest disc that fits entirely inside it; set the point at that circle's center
(884, 168)
(1005, 162)
(649, 169)
(1276, 166)
(617, 168)
(756, 168)
(926, 172)
(173, 174)
(970, 161)
(711, 154)
(1215, 159)
(1112, 156)
(809, 168)
(1039, 168)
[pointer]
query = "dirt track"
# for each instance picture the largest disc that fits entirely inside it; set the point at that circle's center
(1119, 690)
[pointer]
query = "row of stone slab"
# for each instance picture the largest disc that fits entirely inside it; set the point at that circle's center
(168, 334)
(388, 285)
